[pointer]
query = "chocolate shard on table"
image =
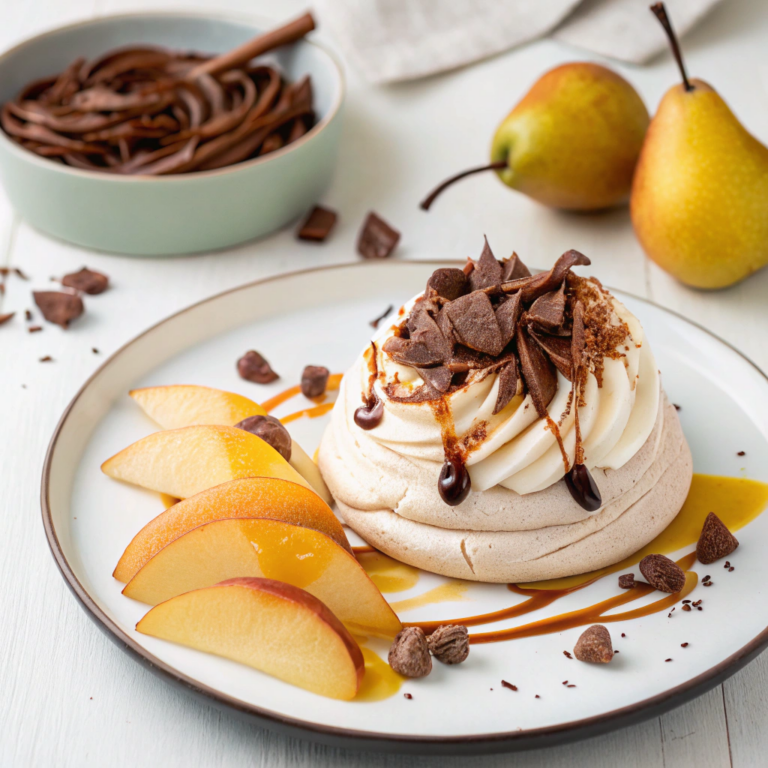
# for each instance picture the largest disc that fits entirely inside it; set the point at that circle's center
(377, 239)
(253, 366)
(318, 225)
(86, 280)
(314, 379)
(59, 307)
(715, 541)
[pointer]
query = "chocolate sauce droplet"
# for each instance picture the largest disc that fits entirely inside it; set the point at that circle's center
(369, 416)
(454, 482)
(583, 488)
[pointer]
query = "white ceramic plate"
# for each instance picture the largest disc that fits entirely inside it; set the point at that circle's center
(322, 317)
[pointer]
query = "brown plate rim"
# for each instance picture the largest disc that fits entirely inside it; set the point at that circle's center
(517, 740)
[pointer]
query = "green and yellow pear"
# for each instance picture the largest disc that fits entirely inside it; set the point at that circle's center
(572, 142)
(699, 201)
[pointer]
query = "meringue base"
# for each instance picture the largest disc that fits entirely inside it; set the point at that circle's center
(640, 507)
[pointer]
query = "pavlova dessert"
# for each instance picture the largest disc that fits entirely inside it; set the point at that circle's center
(507, 427)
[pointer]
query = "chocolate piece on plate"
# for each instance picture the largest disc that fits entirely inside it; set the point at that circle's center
(594, 645)
(538, 372)
(271, 431)
(409, 653)
(59, 307)
(716, 540)
(448, 283)
(627, 581)
(487, 272)
(314, 380)
(87, 281)
(449, 643)
(662, 573)
(318, 225)
(252, 366)
(475, 324)
(377, 239)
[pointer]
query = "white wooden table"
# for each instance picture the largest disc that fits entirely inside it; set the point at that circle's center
(69, 697)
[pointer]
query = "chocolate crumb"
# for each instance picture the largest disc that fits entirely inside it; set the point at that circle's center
(565, 682)
(59, 307)
(741, 453)
(731, 569)
(677, 407)
(318, 225)
(87, 281)
(570, 685)
(314, 379)
(568, 655)
(270, 430)
(46, 359)
(377, 239)
(708, 583)
(667, 659)
(699, 608)
(254, 367)
(727, 564)
(449, 643)
(20, 274)
(509, 685)
(627, 581)
(697, 603)
(35, 328)
(683, 645)
(706, 578)
(6, 317)
(376, 320)
(686, 601)
(662, 573)
(686, 607)
(95, 351)
(537, 696)
(594, 645)
(623, 635)
(28, 315)
(615, 652)
(407, 696)
(715, 541)
(409, 653)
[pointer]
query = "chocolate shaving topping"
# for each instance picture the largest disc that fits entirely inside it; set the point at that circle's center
(662, 573)
(487, 272)
(314, 379)
(439, 378)
(412, 353)
(377, 239)
(594, 645)
(509, 385)
(507, 316)
(59, 307)
(558, 349)
(152, 111)
(423, 328)
(715, 541)
(538, 372)
(447, 283)
(271, 431)
(253, 367)
(548, 311)
(87, 281)
(513, 268)
(474, 323)
(318, 224)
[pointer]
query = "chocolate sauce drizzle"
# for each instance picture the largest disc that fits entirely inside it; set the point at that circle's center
(369, 415)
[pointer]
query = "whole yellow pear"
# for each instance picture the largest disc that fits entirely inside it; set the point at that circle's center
(700, 196)
(699, 200)
(572, 142)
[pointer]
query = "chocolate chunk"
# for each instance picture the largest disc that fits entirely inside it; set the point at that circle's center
(583, 488)
(487, 271)
(454, 482)
(449, 643)
(578, 337)
(253, 367)
(558, 350)
(716, 540)
(509, 382)
(59, 307)
(466, 359)
(448, 283)
(474, 323)
(318, 225)
(513, 269)
(422, 328)
(377, 239)
(6, 317)
(87, 281)
(46, 359)
(505, 684)
(271, 431)
(409, 653)
(314, 379)
(507, 316)
(594, 645)
(446, 328)
(548, 311)
(439, 378)
(413, 353)
(376, 320)
(741, 453)
(627, 581)
(662, 573)
(538, 285)
(538, 372)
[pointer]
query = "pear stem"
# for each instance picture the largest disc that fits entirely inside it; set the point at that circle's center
(430, 198)
(661, 14)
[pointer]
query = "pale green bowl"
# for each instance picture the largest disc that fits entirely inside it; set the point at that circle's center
(161, 216)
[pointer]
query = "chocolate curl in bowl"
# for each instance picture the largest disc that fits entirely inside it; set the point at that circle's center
(150, 111)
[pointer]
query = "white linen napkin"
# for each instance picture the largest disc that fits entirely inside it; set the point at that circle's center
(391, 40)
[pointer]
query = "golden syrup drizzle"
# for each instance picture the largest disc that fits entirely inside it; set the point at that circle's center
(334, 381)
(380, 680)
(451, 592)
(387, 574)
